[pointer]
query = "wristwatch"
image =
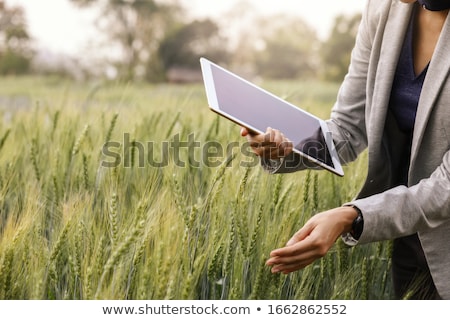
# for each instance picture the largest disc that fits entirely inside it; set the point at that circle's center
(357, 225)
(351, 238)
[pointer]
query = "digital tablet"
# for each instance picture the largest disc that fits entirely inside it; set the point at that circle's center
(257, 109)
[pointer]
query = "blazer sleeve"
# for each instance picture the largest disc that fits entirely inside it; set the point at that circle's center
(402, 210)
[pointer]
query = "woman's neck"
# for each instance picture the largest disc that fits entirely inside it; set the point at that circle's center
(428, 27)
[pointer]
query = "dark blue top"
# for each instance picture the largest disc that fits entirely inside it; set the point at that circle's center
(405, 95)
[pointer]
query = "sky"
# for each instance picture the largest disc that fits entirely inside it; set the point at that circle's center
(58, 26)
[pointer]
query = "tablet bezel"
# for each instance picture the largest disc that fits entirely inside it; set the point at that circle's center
(211, 95)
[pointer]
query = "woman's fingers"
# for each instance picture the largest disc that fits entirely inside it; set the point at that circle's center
(272, 144)
(313, 240)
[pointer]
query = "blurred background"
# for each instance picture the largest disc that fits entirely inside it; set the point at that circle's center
(161, 41)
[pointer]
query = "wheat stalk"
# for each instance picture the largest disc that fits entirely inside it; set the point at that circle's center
(121, 250)
(113, 218)
(34, 158)
(112, 124)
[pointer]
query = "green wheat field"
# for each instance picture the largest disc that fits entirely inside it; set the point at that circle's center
(77, 222)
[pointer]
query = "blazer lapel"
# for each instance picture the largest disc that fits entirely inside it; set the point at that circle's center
(392, 43)
(437, 73)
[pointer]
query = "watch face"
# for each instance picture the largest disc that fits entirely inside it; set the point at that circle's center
(349, 239)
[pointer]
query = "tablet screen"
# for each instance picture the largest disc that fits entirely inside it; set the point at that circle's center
(260, 109)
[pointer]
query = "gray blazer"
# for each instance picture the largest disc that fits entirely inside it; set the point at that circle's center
(360, 119)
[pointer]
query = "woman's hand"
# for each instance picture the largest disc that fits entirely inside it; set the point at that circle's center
(313, 240)
(273, 144)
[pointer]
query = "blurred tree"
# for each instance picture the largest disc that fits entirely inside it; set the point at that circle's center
(15, 47)
(136, 27)
(287, 48)
(239, 25)
(336, 50)
(186, 43)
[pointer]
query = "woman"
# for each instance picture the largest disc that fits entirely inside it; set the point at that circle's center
(395, 100)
